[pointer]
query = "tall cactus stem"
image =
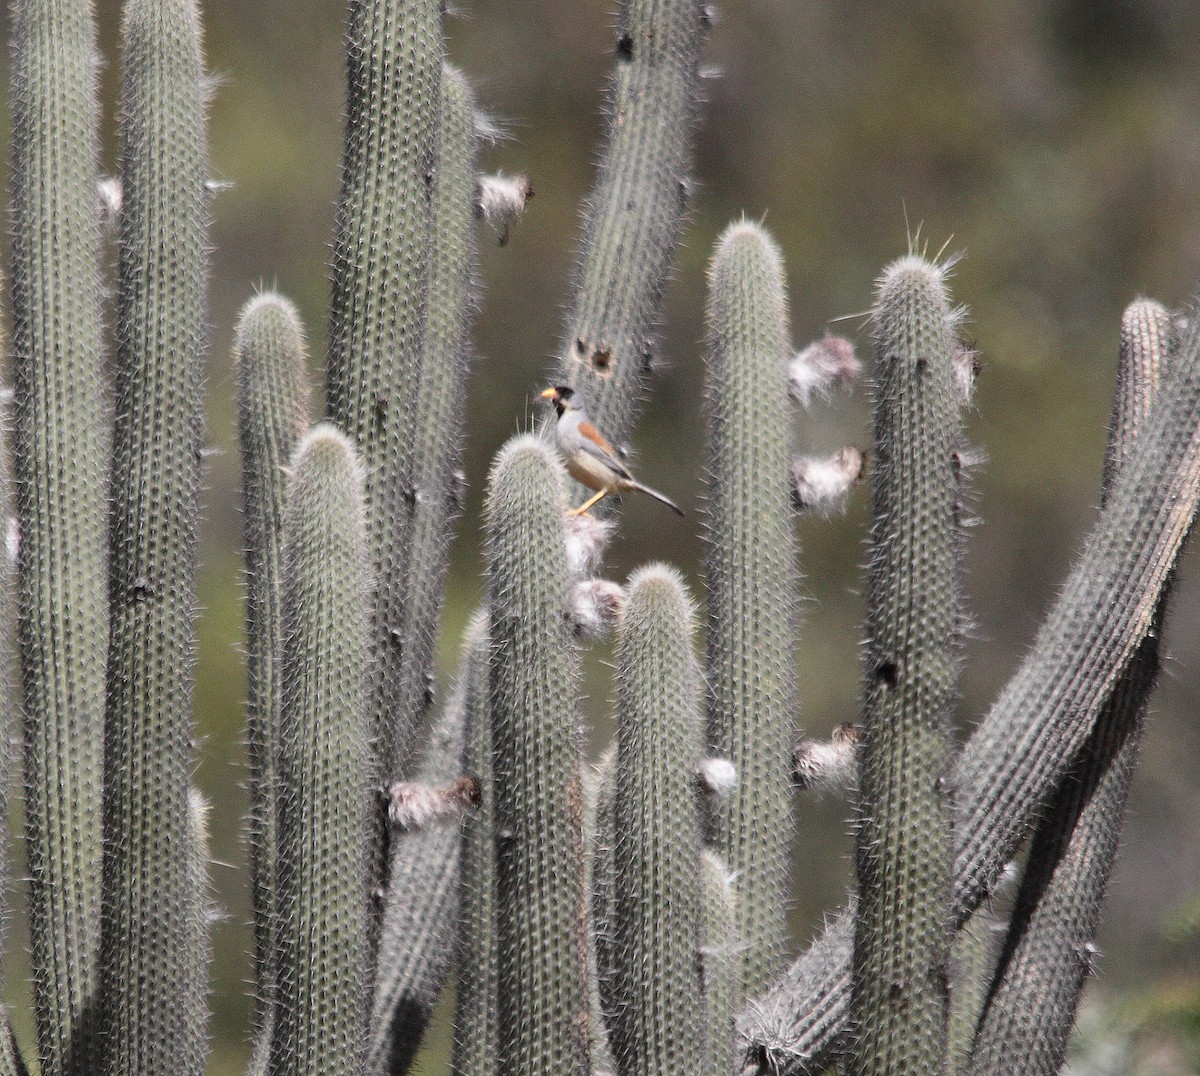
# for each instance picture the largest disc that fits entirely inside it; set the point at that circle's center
(61, 447)
(324, 753)
(599, 820)
(637, 205)
(417, 945)
(1048, 953)
(381, 264)
(534, 682)
(421, 540)
(152, 1003)
(718, 963)
(900, 999)
(658, 1019)
(476, 1035)
(751, 626)
(272, 385)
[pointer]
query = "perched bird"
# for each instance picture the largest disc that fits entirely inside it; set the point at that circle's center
(588, 456)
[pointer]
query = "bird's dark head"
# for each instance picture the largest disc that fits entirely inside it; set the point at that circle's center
(563, 397)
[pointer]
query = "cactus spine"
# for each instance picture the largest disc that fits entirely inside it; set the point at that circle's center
(476, 1036)
(377, 322)
(1049, 949)
(153, 1005)
(658, 1018)
(900, 997)
(534, 685)
(751, 626)
(270, 355)
(324, 753)
(61, 446)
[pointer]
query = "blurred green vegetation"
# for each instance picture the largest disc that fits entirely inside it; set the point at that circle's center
(1056, 144)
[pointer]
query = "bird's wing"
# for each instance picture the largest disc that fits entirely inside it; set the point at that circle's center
(592, 441)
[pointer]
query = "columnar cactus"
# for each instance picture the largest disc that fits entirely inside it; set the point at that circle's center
(657, 1016)
(1010, 765)
(324, 755)
(270, 356)
(596, 931)
(152, 1002)
(60, 448)
(751, 635)
(533, 688)
(632, 224)
(911, 661)
(381, 261)
(476, 1036)
(1049, 951)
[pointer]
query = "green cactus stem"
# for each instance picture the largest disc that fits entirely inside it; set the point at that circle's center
(1049, 951)
(409, 987)
(719, 963)
(657, 1022)
(476, 1036)
(324, 753)
(900, 999)
(270, 356)
(534, 685)
(599, 791)
(1010, 765)
(417, 944)
(152, 1005)
(751, 626)
(61, 450)
(972, 965)
(636, 205)
(381, 265)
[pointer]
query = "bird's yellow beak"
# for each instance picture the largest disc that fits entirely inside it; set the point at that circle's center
(548, 394)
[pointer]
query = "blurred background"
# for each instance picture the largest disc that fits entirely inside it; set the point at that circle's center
(1055, 144)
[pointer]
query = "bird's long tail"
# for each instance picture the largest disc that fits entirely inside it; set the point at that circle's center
(659, 497)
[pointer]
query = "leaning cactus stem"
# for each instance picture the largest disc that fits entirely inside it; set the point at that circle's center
(637, 204)
(1048, 953)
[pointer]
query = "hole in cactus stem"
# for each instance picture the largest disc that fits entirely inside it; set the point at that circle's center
(625, 47)
(602, 359)
(887, 674)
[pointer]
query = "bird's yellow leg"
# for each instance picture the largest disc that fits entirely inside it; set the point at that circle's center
(587, 504)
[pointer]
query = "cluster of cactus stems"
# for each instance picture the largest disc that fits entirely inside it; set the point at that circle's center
(629, 918)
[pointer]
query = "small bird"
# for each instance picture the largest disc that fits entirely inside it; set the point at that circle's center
(588, 456)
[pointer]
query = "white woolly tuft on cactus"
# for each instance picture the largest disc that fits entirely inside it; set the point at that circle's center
(822, 366)
(823, 482)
